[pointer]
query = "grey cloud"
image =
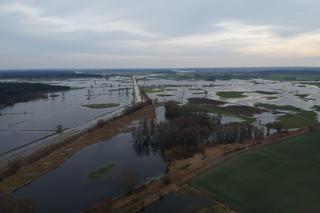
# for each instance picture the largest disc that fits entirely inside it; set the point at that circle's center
(124, 33)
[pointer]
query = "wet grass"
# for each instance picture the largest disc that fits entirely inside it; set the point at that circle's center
(292, 77)
(317, 84)
(278, 107)
(152, 89)
(164, 95)
(302, 96)
(206, 101)
(100, 172)
(297, 118)
(101, 106)
(282, 177)
(243, 112)
(316, 107)
(271, 98)
(266, 92)
(231, 94)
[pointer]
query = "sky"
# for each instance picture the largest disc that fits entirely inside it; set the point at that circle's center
(158, 33)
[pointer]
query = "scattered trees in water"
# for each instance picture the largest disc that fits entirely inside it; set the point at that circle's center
(275, 125)
(187, 130)
(59, 129)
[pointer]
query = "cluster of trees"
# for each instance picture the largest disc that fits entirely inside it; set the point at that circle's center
(14, 92)
(187, 130)
(277, 125)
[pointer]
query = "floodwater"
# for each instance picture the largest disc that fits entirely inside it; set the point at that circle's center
(69, 187)
(285, 93)
(43, 115)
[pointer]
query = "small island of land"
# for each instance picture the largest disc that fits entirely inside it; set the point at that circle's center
(231, 94)
(101, 106)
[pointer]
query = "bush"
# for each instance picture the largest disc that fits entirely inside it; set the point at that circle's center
(172, 110)
(100, 123)
(311, 128)
(166, 180)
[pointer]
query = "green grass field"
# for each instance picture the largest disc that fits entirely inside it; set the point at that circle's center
(231, 94)
(298, 118)
(283, 177)
(101, 106)
(100, 172)
(152, 89)
(236, 111)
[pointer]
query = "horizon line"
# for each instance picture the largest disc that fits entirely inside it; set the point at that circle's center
(157, 68)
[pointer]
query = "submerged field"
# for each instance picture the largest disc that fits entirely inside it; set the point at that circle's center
(279, 178)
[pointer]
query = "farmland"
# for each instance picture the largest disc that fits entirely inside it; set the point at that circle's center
(278, 178)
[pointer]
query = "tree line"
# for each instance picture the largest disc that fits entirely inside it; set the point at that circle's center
(187, 130)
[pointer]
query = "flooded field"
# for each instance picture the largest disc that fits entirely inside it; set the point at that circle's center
(114, 167)
(101, 171)
(25, 122)
(82, 181)
(259, 90)
(256, 91)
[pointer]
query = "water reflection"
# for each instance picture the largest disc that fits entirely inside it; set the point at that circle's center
(59, 108)
(87, 177)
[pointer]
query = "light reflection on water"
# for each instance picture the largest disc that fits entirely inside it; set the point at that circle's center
(68, 188)
(66, 109)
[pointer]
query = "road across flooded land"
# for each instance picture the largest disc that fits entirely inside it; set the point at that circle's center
(25, 122)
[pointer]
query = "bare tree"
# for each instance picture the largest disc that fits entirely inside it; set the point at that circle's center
(59, 129)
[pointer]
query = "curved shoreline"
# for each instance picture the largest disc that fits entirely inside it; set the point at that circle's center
(54, 158)
(181, 172)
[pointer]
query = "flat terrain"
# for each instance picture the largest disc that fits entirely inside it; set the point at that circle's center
(296, 118)
(212, 106)
(101, 106)
(231, 94)
(283, 177)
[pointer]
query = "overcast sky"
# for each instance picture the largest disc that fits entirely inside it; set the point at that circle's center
(158, 33)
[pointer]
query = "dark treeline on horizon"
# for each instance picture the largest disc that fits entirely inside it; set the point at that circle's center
(14, 92)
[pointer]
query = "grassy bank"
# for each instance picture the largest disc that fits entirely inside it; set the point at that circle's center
(231, 94)
(101, 171)
(266, 92)
(243, 112)
(296, 118)
(152, 90)
(101, 106)
(278, 178)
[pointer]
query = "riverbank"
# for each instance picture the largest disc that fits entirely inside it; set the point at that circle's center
(56, 157)
(180, 172)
